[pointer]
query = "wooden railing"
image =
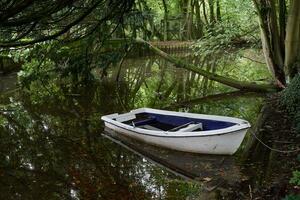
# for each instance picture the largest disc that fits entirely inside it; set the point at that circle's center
(172, 45)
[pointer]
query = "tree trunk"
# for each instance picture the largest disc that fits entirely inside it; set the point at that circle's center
(218, 11)
(292, 42)
(214, 98)
(270, 39)
(188, 20)
(275, 35)
(166, 20)
(199, 22)
(154, 31)
(212, 19)
(282, 24)
(190, 24)
(204, 12)
(180, 86)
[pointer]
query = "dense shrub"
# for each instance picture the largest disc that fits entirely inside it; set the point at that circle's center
(296, 178)
(290, 98)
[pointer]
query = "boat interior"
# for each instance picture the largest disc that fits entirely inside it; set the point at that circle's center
(171, 123)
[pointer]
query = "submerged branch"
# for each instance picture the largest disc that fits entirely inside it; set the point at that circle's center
(214, 97)
(241, 85)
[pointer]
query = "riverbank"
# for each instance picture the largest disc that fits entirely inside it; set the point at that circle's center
(269, 170)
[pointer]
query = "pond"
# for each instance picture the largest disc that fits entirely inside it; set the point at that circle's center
(53, 144)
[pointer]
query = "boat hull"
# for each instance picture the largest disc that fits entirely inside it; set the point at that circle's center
(224, 144)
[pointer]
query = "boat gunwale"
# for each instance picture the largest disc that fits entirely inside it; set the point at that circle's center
(166, 135)
(240, 124)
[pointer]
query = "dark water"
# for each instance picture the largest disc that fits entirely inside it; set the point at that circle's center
(51, 143)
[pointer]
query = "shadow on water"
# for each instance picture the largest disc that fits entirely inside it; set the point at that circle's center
(212, 171)
(51, 145)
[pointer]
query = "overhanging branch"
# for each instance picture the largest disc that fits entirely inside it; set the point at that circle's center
(241, 85)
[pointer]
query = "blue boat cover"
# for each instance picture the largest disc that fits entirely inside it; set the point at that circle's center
(178, 120)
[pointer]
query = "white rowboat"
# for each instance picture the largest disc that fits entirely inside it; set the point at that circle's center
(197, 133)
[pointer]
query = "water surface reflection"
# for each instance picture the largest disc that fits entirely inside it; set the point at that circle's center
(51, 145)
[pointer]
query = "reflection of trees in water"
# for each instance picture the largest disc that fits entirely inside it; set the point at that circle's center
(155, 82)
(50, 141)
(54, 150)
(46, 156)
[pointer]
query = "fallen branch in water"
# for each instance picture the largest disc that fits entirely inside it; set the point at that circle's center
(214, 97)
(241, 85)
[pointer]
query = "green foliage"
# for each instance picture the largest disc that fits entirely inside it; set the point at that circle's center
(34, 70)
(218, 39)
(71, 62)
(3, 121)
(51, 19)
(158, 9)
(183, 190)
(292, 197)
(290, 99)
(241, 68)
(238, 28)
(296, 178)
(223, 39)
(291, 95)
(136, 19)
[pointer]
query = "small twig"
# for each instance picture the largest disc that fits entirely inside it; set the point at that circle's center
(73, 95)
(4, 111)
(210, 189)
(222, 161)
(250, 192)
(283, 142)
(257, 61)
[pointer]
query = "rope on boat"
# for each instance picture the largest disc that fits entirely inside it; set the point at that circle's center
(273, 149)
